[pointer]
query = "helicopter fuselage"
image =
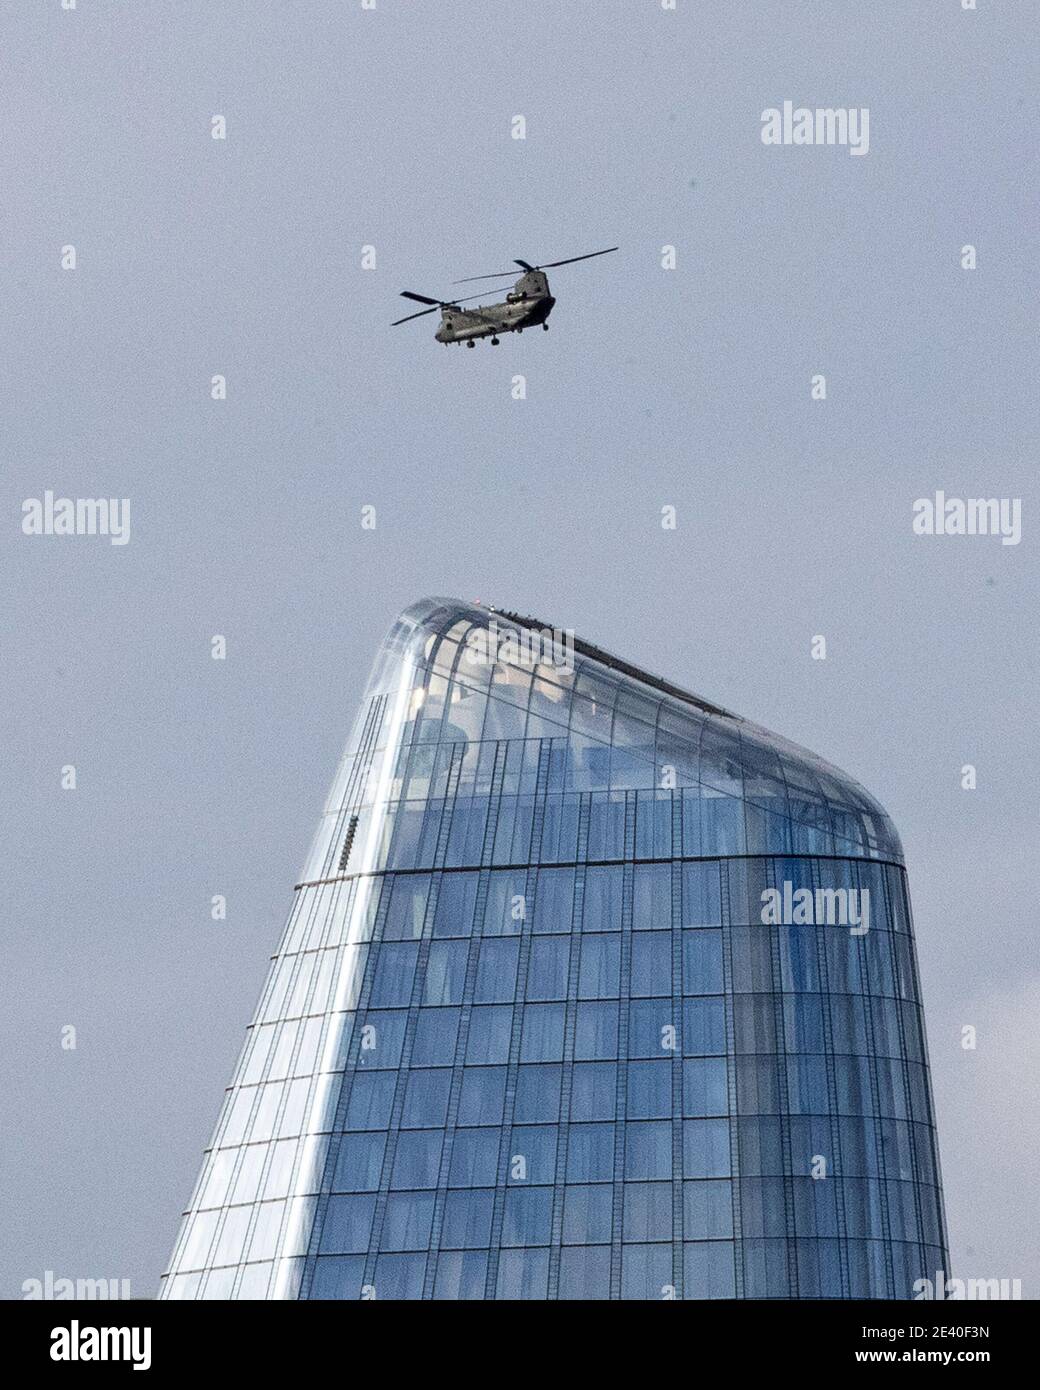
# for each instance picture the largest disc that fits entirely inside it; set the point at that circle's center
(527, 304)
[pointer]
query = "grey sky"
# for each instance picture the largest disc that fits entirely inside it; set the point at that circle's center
(688, 387)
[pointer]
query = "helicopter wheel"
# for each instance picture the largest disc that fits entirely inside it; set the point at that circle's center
(518, 330)
(494, 342)
(545, 328)
(470, 342)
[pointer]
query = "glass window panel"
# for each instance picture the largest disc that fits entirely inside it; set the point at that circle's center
(247, 1181)
(704, 1086)
(474, 1158)
(758, 1144)
(445, 972)
(506, 907)
(461, 1274)
(467, 1220)
(407, 1221)
(523, 1274)
(588, 1214)
(596, 1031)
(281, 1057)
(646, 1272)
(538, 1094)
(807, 1090)
(706, 1148)
(799, 952)
(379, 1041)
(218, 1177)
(184, 1286)
(648, 1150)
(394, 972)
(542, 1038)
(220, 1284)
(338, 1277)
(482, 1097)
(654, 824)
(704, 1027)
(649, 1090)
(528, 1216)
(554, 900)
(456, 900)
(594, 1091)
(360, 1163)
(547, 967)
(195, 1253)
(702, 962)
(707, 1210)
(310, 1040)
(293, 1117)
(585, 1272)
(489, 1032)
(752, 959)
(436, 1031)
(426, 1099)
(496, 971)
(407, 910)
(759, 1081)
(371, 1100)
(754, 1022)
(600, 972)
(702, 895)
(651, 964)
(266, 1113)
(653, 1028)
(417, 1159)
(815, 1206)
(648, 1211)
(260, 1049)
(348, 1225)
(590, 1153)
(603, 898)
(852, 1079)
(532, 1154)
(607, 810)
(803, 1023)
(868, 1277)
(399, 1276)
(652, 895)
(708, 1270)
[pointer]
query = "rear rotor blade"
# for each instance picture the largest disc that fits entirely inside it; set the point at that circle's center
(499, 275)
(419, 298)
(571, 259)
(549, 265)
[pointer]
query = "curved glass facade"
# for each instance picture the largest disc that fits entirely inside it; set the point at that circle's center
(590, 990)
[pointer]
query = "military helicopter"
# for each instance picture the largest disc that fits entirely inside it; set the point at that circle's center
(527, 304)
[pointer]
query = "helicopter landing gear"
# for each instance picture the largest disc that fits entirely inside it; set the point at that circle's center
(470, 342)
(494, 342)
(545, 328)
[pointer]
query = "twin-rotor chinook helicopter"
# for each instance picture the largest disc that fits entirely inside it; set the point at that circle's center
(528, 303)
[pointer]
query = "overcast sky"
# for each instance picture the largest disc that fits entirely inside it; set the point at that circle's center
(689, 388)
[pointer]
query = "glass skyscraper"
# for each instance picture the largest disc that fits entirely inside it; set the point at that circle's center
(590, 990)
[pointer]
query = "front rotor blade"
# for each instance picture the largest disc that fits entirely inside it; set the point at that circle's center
(523, 265)
(571, 259)
(419, 315)
(437, 304)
